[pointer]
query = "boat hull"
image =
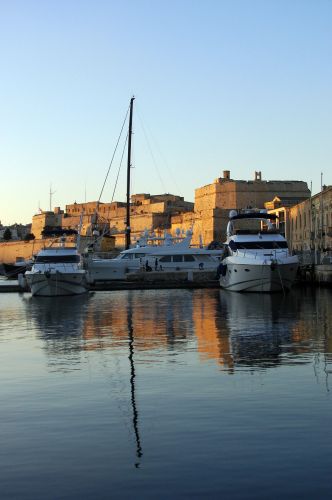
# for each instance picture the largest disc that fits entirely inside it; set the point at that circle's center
(258, 277)
(117, 269)
(107, 270)
(56, 284)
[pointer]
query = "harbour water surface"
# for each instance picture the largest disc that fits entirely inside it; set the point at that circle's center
(166, 394)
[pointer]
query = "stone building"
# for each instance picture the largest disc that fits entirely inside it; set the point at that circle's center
(44, 220)
(152, 212)
(208, 217)
(281, 207)
(214, 201)
(310, 224)
(306, 225)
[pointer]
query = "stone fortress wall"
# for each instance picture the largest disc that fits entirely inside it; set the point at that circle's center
(207, 216)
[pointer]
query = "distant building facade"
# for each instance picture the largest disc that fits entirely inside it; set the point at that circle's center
(306, 225)
(17, 231)
(147, 212)
(207, 217)
(214, 201)
(46, 219)
(311, 223)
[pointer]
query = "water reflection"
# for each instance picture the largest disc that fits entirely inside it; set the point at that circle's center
(261, 331)
(59, 322)
(235, 330)
(160, 319)
(259, 328)
(139, 452)
(160, 383)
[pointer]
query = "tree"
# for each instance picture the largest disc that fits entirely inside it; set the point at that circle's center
(29, 237)
(7, 235)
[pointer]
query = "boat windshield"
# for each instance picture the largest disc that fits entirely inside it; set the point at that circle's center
(54, 259)
(250, 245)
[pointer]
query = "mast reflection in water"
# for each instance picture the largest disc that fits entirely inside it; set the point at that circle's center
(139, 452)
(233, 395)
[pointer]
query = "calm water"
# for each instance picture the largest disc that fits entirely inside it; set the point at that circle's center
(166, 394)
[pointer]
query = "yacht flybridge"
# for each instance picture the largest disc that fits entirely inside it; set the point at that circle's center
(258, 259)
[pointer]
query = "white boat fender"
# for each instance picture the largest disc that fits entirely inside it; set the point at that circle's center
(21, 280)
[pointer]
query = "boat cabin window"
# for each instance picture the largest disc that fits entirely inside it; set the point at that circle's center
(182, 258)
(177, 258)
(189, 258)
(203, 258)
(65, 259)
(166, 258)
(257, 245)
(139, 255)
(127, 256)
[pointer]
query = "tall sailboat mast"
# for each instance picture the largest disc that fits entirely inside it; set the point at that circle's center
(130, 131)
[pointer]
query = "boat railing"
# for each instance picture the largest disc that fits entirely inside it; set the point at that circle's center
(275, 253)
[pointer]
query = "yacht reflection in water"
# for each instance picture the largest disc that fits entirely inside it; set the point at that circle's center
(66, 326)
(115, 333)
(257, 331)
(259, 328)
(233, 329)
(59, 322)
(268, 330)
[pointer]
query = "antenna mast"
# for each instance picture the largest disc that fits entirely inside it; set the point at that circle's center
(130, 131)
(51, 194)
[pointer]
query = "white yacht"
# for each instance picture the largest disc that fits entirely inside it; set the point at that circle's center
(154, 254)
(258, 260)
(57, 271)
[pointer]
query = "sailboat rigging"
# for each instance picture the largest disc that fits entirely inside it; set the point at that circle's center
(130, 131)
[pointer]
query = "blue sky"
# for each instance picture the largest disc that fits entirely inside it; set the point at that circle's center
(220, 85)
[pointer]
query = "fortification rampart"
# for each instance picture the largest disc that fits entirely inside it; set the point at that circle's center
(12, 250)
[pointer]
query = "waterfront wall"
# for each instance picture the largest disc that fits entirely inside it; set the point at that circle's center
(10, 251)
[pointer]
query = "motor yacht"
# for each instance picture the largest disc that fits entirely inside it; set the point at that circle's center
(167, 253)
(258, 259)
(57, 270)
